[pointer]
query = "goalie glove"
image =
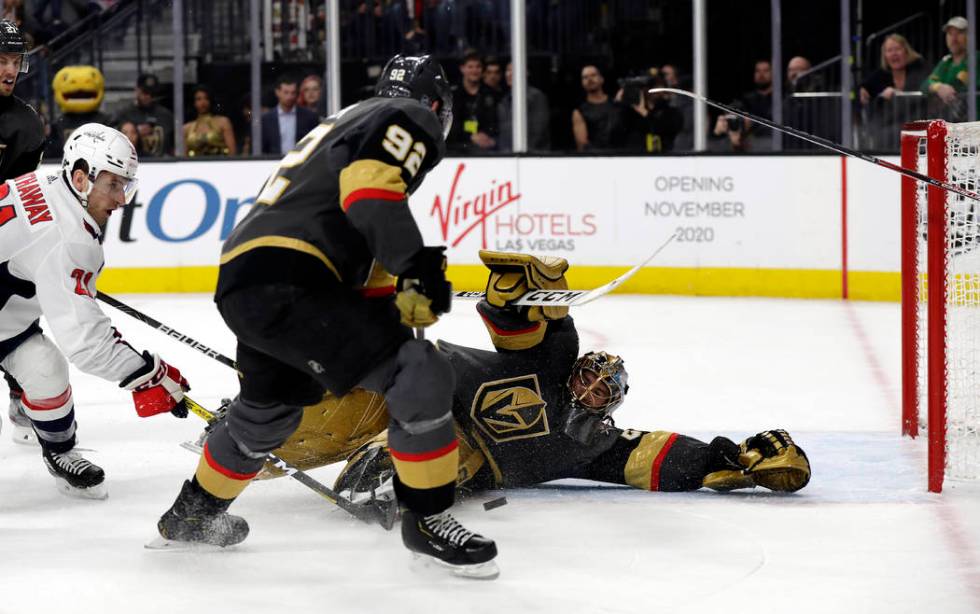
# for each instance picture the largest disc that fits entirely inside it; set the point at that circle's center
(513, 275)
(157, 387)
(770, 459)
(423, 291)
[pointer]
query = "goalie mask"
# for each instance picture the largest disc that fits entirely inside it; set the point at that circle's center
(597, 385)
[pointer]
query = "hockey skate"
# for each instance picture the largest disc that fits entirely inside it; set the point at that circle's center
(75, 476)
(440, 538)
(21, 430)
(198, 520)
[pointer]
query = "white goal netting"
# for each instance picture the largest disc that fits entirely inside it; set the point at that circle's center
(962, 305)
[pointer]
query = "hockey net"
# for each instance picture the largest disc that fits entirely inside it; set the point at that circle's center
(941, 320)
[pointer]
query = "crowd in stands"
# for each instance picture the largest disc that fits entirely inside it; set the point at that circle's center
(619, 117)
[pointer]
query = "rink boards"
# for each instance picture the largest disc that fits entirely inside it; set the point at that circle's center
(794, 226)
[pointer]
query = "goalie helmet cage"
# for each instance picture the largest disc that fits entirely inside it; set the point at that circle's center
(941, 320)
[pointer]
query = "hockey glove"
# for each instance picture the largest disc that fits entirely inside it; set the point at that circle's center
(423, 292)
(157, 387)
(513, 275)
(770, 459)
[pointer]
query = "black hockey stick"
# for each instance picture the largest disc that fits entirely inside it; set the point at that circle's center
(145, 319)
(382, 513)
(825, 143)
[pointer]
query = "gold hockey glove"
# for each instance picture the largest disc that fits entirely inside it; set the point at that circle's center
(423, 292)
(770, 459)
(512, 275)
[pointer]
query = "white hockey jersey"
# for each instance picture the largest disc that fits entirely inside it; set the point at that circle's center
(50, 258)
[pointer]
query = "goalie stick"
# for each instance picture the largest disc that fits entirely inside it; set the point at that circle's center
(569, 298)
(825, 143)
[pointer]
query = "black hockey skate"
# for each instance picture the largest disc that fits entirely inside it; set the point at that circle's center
(442, 539)
(75, 476)
(198, 519)
(22, 431)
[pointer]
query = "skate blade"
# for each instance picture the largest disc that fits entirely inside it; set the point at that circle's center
(99, 491)
(477, 571)
(192, 447)
(173, 545)
(23, 435)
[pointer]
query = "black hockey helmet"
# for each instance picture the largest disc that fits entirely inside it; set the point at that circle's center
(12, 40)
(420, 77)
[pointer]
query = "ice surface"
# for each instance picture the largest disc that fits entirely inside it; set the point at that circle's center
(864, 536)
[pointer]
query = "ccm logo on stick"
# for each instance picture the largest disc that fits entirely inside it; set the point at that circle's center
(545, 296)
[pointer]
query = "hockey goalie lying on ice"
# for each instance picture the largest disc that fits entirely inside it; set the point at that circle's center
(535, 410)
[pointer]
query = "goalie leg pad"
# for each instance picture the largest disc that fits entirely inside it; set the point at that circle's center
(332, 430)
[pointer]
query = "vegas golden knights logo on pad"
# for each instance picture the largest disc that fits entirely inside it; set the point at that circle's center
(510, 409)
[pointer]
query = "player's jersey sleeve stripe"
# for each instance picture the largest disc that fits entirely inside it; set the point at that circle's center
(642, 469)
(370, 180)
(371, 194)
(377, 292)
(281, 242)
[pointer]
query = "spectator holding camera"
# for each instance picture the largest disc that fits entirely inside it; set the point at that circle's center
(597, 123)
(474, 126)
(651, 123)
(949, 78)
(758, 101)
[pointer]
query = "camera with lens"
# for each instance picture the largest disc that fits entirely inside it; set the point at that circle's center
(735, 123)
(634, 88)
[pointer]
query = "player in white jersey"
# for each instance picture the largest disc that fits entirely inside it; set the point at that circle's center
(51, 230)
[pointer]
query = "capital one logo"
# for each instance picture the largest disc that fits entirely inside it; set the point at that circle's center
(467, 209)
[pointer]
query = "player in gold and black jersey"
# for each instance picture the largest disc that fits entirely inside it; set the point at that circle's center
(536, 410)
(321, 283)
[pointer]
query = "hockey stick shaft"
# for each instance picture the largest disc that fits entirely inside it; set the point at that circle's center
(145, 319)
(570, 298)
(825, 143)
(366, 513)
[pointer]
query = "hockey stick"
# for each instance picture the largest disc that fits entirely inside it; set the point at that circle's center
(145, 319)
(382, 512)
(570, 298)
(383, 515)
(816, 140)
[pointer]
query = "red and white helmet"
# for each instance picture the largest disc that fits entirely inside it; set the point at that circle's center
(102, 149)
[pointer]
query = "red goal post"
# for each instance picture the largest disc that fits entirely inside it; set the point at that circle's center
(941, 321)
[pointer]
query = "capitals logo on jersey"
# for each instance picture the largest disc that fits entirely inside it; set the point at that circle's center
(511, 409)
